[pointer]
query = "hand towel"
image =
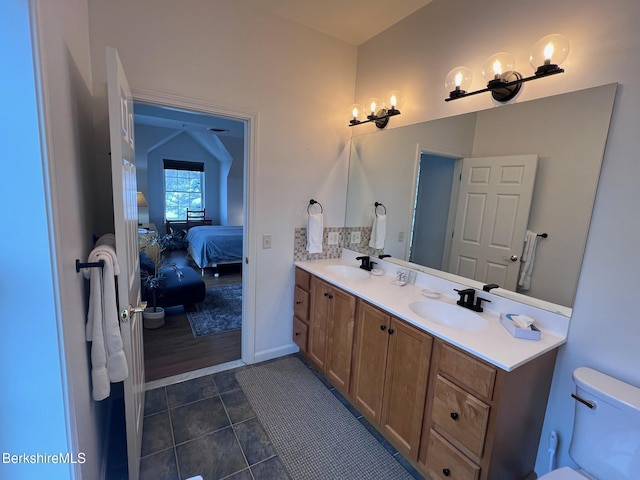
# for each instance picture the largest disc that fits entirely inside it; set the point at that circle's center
(108, 361)
(378, 232)
(528, 257)
(315, 230)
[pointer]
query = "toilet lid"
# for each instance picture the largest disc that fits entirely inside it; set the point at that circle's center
(564, 473)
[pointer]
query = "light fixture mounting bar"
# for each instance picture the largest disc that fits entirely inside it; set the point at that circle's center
(506, 85)
(381, 118)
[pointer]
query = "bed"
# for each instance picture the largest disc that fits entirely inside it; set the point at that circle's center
(210, 246)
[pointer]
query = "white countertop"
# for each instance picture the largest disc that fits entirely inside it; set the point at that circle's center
(493, 344)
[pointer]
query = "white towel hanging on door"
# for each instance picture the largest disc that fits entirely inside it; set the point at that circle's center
(108, 361)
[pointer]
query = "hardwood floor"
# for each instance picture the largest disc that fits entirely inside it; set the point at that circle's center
(172, 349)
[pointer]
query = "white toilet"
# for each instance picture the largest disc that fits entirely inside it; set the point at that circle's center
(606, 429)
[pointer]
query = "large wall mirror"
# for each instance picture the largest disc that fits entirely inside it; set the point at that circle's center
(416, 171)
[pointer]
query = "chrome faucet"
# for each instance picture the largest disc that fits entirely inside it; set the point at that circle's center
(469, 300)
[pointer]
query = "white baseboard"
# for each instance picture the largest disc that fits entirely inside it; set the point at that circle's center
(272, 353)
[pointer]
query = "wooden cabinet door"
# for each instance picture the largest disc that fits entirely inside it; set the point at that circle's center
(369, 360)
(340, 339)
(405, 387)
(319, 313)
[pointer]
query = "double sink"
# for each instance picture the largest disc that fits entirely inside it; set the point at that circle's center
(447, 314)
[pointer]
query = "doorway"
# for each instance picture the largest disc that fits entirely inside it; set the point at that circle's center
(219, 144)
(435, 189)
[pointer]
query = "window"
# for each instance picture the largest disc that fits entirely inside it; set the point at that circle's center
(183, 188)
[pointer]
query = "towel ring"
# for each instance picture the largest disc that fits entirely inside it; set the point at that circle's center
(313, 202)
(378, 204)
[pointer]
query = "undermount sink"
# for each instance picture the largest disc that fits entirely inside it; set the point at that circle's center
(449, 315)
(347, 271)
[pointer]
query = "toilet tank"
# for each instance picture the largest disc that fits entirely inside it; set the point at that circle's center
(606, 438)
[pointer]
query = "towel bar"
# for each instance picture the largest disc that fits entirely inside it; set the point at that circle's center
(80, 266)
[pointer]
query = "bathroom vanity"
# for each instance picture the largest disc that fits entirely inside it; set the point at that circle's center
(459, 403)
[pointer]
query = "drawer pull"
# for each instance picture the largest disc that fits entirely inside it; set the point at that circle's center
(391, 330)
(383, 327)
(454, 415)
(298, 302)
(446, 472)
(297, 333)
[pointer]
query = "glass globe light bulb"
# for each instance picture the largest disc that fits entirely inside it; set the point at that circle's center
(372, 106)
(458, 81)
(497, 66)
(394, 100)
(356, 113)
(548, 53)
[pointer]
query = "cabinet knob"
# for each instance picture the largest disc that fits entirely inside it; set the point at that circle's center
(454, 415)
(298, 302)
(391, 330)
(383, 327)
(446, 472)
(297, 333)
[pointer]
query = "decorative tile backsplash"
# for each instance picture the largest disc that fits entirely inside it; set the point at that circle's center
(333, 251)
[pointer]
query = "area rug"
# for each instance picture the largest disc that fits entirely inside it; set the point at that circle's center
(314, 435)
(220, 311)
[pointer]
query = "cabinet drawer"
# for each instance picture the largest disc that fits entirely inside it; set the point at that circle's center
(460, 414)
(303, 279)
(468, 372)
(300, 334)
(444, 462)
(301, 304)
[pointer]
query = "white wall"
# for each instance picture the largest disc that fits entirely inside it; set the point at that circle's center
(417, 54)
(180, 147)
(47, 405)
(296, 81)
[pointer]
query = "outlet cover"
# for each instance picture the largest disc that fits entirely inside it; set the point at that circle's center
(356, 237)
(333, 238)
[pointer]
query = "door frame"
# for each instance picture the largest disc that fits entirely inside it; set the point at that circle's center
(248, 242)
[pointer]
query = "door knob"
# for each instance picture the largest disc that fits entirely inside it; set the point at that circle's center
(129, 312)
(513, 258)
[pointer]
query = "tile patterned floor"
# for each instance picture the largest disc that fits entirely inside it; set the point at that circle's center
(206, 426)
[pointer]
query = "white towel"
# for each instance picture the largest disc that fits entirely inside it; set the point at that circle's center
(315, 231)
(378, 232)
(528, 257)
(108, 361)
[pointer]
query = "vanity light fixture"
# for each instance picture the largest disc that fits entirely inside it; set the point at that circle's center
(503, 81)
(377, 111)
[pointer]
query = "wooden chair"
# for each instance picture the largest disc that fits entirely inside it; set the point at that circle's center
(195, 218)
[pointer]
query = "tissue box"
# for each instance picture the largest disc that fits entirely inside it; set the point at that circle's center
(531, 333)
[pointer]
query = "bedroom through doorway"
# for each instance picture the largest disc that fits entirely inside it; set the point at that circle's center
(190, 160)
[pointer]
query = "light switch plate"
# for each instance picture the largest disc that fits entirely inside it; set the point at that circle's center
(333, 238)
(356, 237)
(266, 241)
